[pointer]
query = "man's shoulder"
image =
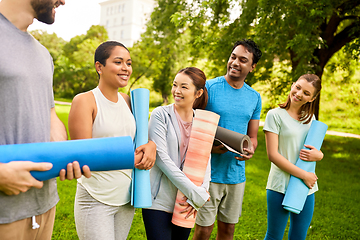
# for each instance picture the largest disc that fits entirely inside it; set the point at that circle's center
(213, 82)
(250, 89)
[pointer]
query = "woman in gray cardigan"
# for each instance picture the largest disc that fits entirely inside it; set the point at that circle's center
(169, 128)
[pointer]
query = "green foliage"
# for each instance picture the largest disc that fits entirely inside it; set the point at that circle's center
(339, 101)
(52, 42)
(162, 48)
(74, 71)
(296, 37)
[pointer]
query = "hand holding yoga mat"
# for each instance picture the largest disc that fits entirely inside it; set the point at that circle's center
(297, 191)
(233, 141)
(197, 158)
(100, 154)
(141, 191)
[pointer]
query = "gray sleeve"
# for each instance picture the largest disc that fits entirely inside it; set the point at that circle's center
(158, 133)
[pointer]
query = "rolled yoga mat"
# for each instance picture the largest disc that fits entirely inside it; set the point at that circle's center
(233, 141)
(100, 154)
(297, 191)
(197, 158)
(141, 191)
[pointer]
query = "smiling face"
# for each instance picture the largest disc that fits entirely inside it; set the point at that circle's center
(45, 9)
(240, 64)
(184, 91)
(117, 70)
(302, 92)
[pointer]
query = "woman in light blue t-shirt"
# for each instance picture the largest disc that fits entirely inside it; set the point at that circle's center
(285, 131)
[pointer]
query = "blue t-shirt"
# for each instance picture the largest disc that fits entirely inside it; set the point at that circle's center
(236, 108)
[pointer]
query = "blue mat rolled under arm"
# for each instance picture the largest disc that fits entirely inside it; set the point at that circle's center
(141, 190)
(100, 154)
(297, 191)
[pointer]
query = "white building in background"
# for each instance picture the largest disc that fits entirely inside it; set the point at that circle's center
(125, 19)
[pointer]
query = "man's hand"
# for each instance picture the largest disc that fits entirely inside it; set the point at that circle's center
(244, 157)
(15, 176)
(73, 171)
(219, 149)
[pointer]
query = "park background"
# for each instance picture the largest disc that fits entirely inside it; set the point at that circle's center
(296, 37)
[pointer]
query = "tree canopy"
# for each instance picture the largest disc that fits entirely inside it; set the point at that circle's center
(296, 37)
(302, 35)
(74, 70)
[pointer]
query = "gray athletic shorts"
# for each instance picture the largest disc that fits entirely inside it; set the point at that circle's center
(225, 202)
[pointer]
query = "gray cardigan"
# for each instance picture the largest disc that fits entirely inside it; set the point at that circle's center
(166, 176)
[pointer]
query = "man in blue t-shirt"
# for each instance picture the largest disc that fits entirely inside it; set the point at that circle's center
(239, 107)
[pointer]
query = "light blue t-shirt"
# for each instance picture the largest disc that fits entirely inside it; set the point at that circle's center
(236, 108)
(291, 135)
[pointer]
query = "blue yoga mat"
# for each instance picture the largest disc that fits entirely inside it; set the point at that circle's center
(297, 191)
(100, 154)
(141, 191)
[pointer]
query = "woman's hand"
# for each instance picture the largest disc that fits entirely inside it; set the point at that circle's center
(310, 179)
(190, 210)
(311, 154)
(148, 152)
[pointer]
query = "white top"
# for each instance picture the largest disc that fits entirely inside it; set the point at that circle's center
(112, 120)
(292, 135)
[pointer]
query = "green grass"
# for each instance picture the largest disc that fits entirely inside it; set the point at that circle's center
(336, 213)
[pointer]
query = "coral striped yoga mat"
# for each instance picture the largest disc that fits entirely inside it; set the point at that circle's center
(197, 157)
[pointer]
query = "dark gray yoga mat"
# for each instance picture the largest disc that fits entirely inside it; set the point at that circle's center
(233, 141)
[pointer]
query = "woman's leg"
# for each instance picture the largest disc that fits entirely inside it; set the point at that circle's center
(180, 233)
(94, 220)
(123, 220)
(157, 224)
(277, 216)
(300, 223)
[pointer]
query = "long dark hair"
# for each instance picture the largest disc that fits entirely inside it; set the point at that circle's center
(199, 79)
(307, 110)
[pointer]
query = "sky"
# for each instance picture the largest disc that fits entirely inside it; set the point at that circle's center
(73, 18)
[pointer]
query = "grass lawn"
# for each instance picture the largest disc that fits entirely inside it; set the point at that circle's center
(337, 212)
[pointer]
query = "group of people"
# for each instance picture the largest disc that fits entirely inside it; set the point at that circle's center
(102, 202)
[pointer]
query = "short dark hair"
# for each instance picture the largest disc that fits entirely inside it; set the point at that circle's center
(251, 46)
(104, 50)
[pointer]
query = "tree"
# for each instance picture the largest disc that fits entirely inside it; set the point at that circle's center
(162, 49)
(302, 35)
(52, 42)
(74, 70)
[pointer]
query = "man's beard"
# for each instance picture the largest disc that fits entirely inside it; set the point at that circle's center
(43, 10)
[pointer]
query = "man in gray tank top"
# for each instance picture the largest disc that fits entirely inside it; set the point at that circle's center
(27, 116)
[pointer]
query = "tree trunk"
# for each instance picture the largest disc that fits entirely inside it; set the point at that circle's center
(165, 98)
(319, 73)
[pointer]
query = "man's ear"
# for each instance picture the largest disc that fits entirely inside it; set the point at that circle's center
(253, 67)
